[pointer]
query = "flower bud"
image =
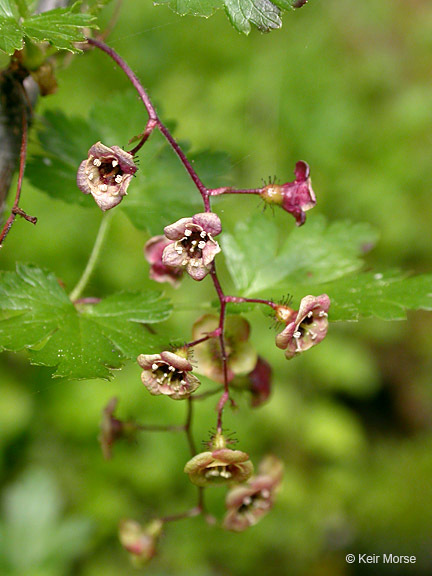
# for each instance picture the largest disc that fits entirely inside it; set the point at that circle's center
(140, 541)
(295, 197)
(112, 429)
(106, 174)
(160, 272)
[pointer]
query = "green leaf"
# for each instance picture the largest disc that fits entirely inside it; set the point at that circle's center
(263, 13)
(195, 7)
(60, 27)
(258, 259)
(82, 341)
(382, 295)
(6, 9)
(11, 35)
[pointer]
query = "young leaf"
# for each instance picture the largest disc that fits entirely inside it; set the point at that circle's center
(387, 296)
(317, 252)
(11, 35)
(60, 27)
(81, 341)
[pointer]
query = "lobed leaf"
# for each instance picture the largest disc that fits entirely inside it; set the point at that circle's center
(264, 14)
(382, 295)
(61, 27)
(81, 341)
(258, 258)
(11, 35)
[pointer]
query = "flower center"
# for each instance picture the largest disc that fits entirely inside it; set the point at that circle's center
(166, 374)
(105, 173)
(258, 501)
(218, 472)
(192, 245)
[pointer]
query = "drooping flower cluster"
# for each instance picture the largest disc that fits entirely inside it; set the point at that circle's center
(106, 174)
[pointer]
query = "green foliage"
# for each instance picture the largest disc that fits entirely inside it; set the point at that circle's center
(61, 27)
(82, 341)
(264, 14)
(387, 296)
(259, 259)
(36, 537)
(65, 141)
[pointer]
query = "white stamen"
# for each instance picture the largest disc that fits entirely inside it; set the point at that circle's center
(297, 334)
(203, 234)
(194, 242)
(184, 262)
(225, 474)
(155, 366)
(247, 500)
(179, 250)
(310, 314)
(118, 178)
(114, 163)
(103, 187)
(183, 382)
(201, 244)
(90, 176)
(265, 493)
(314, 336)
(188, 232)
(171, 368)
(97, 162)
(115, 193)
(195, 263)
(322, 314)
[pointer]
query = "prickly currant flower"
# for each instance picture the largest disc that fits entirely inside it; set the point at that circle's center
(112, 429)
(193, 245)
(247, 504)
(168, 373)
(241, 356)
(140, 541)
(295, 197)
(106, 174)
(220, 465)
(160, 272)
(305, 328)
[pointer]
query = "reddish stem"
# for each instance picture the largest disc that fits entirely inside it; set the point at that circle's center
(239, 300)
(220, 191)
(16, 210)
(154, 120)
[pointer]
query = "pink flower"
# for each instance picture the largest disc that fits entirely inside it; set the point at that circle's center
(192, 244)
(169, 374)
(106, 174)
(140, 541)
(305, 328)
(295, 197)
(247, 504)
(220, 465)
(160, 272)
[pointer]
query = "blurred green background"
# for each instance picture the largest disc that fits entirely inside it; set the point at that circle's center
(347, 87)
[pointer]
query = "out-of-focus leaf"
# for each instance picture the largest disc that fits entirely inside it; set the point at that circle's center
(11, 35)
(195, 7)
(61, 27)
(82, 341)
(257, 258)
